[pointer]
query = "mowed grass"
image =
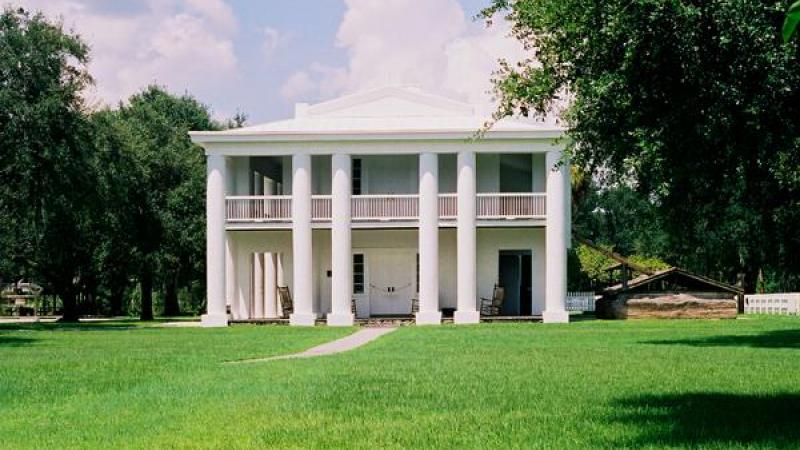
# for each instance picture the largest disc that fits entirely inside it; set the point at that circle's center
(678, 384)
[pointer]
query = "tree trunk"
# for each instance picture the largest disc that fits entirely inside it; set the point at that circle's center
(115, 300)
(70, 307)
(146, 284)
(171, 305)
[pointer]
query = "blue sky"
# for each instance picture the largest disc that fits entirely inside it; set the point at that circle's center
(261, 57)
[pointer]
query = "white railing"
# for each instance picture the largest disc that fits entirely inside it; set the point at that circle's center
(779, 303)
(580, 301)
(527, 205)
(321, 207)
(448, 206)
(259, 208)
(385, 207)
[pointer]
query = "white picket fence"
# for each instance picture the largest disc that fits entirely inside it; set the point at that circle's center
(580, 301)
(780, 303)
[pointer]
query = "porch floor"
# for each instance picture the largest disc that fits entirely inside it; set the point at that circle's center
(389, 321)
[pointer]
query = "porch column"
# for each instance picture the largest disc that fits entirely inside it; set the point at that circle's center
(341, 240)
(270, 285)
(429, 313)
(258, 260)
(466, 237)
(555, 241)
(258, 285)
(270, 269)
(216, 314)
(301, 241)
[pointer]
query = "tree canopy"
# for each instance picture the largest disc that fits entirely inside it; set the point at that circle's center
(693, 104)
(103, 207)
(45, 157)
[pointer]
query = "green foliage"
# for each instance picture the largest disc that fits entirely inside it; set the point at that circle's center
(692, 104)
(46, 194)
(791, 21)
(590, 384)
(171, 206)
(93, 203)
(592, 266)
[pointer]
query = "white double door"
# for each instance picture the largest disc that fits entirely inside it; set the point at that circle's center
(392, 280)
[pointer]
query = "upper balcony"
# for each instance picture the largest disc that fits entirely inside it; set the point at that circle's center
(386, 210)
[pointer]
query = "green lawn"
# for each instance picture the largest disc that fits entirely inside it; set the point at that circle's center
(709, 384)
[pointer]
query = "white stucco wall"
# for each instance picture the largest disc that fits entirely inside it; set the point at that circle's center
(400, 173)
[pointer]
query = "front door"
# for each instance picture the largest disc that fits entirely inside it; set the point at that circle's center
(515, 277)
(391, 281)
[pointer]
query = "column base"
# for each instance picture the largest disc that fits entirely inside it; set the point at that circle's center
(214, 320)
(303, 320)
(428, 317)
(340, 320)
(466, 317)
(555, 316)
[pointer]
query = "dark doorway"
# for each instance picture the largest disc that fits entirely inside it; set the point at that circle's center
(515, 276)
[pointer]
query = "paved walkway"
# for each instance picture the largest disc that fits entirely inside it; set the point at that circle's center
(344, 344)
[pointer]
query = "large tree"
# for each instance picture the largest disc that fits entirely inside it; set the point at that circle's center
(46, 193)
(171, 207)
(694, 103)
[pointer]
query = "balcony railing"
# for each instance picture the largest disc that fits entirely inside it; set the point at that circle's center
(259, 208)
(448, 206)
(388, 207)
(511, 206)
(385, 207)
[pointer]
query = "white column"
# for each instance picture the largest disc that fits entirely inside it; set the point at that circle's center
(216, 314)
(466, 237)
(258, 285)
(568, 187)
(556, 241)
(244, 280)
(429, 313)
(341, 240)
(270, 285)
(270, 269)
(301, 241)
(230, 276)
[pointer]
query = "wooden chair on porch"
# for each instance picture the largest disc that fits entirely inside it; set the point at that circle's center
(493, 306)
(285, 297)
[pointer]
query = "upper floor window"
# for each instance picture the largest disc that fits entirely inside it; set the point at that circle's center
(356, 172)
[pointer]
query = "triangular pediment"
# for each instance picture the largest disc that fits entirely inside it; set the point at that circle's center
(390, 102)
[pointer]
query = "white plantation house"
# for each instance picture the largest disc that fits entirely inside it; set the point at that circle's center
(383, 203)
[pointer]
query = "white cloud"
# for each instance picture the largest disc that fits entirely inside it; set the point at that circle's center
(298, 86)
(273, 40)
(181, 44)
(432, 44)
(216, 12)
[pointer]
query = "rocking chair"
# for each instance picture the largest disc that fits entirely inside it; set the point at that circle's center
(493, 306)
(285, 297)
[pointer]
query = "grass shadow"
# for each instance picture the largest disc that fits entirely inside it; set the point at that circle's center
(771, 339)
(67, 326)
(710, 419)
(14, 341)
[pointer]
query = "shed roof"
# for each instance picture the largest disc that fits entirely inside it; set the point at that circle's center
(676, 273)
